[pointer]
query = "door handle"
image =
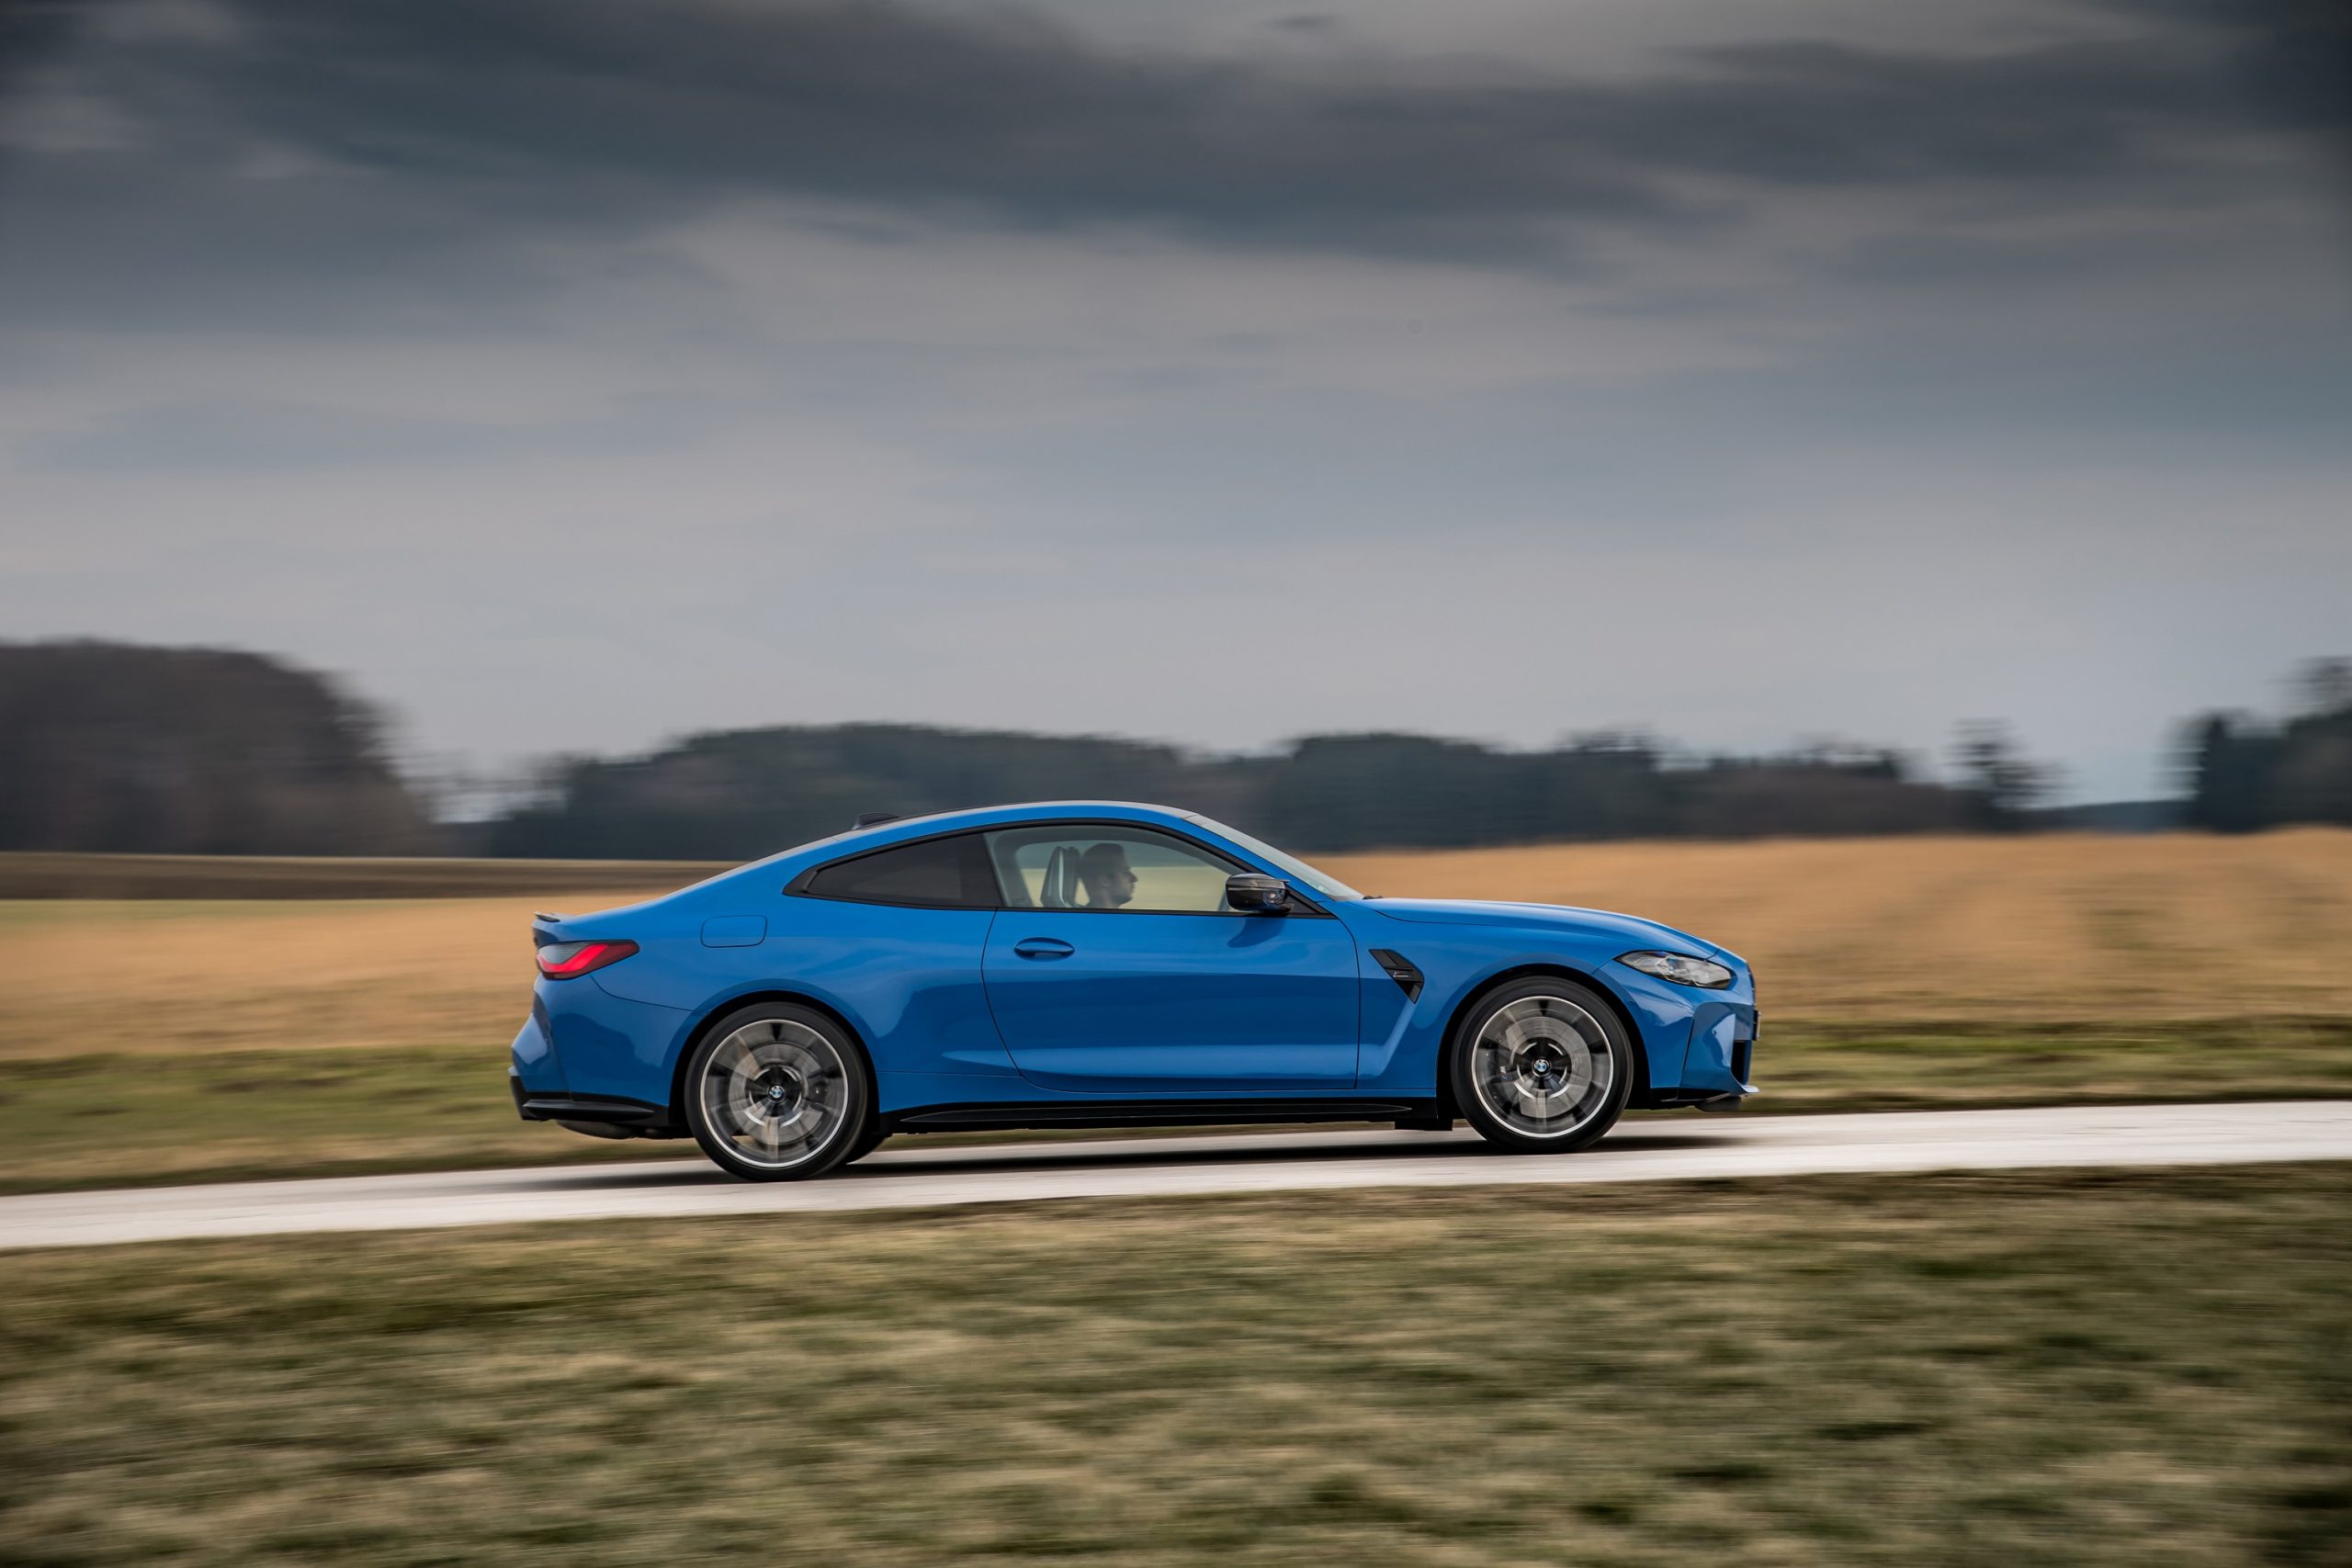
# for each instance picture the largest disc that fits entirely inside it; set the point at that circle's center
(1043, 947)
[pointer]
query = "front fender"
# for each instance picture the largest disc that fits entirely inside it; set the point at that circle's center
(1404, 1041)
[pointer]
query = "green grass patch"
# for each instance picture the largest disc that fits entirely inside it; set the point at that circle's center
(216, 1116)
(2146, 1368)
(117, 1121)
(1833, 1066)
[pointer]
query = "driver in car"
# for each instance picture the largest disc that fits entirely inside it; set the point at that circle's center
(1103, 871)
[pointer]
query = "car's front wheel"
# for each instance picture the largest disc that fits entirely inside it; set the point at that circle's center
(776, 1092)
(1541, 1066)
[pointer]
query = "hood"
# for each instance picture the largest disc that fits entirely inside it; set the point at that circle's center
(1635, 932)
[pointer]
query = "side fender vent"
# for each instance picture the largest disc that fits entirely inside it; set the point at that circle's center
(1401, 970)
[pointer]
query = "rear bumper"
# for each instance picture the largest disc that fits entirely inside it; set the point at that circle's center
(581, 1041)
(532, 1063)
(534, 1076)
(604, 1115)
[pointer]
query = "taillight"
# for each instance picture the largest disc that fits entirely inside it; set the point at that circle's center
(568, 959)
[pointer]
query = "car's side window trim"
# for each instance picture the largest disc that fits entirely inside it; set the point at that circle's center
(800, 887)
(1301, 905)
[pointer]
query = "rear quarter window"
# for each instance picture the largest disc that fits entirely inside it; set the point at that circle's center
(946, 873)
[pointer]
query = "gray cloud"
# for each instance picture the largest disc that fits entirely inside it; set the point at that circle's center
(793, 361)
(547, 110)
(227, 437)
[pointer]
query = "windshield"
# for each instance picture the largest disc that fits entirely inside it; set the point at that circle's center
(1290, 865)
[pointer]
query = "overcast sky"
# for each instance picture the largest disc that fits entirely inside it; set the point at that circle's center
(572, 376)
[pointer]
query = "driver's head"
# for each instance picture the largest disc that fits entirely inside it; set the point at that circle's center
(1103, 871)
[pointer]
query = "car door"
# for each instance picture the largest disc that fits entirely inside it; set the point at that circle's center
(1116, 967)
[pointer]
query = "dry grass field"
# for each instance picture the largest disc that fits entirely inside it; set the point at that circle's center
(2087, 929)
(2139, 1369)
(287, 1032)
(45, 874)
(179, 975)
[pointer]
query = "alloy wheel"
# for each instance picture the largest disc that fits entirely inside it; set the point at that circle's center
(776, 1092)
(1541, 1066)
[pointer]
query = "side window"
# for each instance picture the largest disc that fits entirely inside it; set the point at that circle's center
(941, 873)
(1075, 866)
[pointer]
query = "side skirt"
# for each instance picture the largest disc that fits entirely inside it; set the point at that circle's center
(997, 1117)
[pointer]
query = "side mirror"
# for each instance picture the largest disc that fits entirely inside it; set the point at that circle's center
(1252, 893)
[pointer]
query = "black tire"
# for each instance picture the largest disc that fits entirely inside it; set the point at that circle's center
(1569, 1040)
(777, 1092)
(869, 1138)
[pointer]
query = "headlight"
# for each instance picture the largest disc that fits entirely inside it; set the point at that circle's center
(1680, 969)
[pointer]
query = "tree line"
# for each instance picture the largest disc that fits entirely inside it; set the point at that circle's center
(739, 793)
(2250, 772)
(193, 750)
(112, 747)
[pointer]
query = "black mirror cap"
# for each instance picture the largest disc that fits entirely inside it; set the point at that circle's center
(1254, 893)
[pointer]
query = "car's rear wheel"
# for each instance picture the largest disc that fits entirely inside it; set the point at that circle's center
(1541, 1066)
(776, 1092)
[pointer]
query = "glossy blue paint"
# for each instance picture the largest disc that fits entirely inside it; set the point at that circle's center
(1715, 1034)
(1164, 1003)
(734, 931)
(533, 1057)
(950, 1009)
(607, 1044)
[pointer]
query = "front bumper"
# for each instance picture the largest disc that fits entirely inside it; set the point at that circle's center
(1722, 1053)
(1700, 1044)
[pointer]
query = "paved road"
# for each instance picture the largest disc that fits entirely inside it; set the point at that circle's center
(1645, 1149)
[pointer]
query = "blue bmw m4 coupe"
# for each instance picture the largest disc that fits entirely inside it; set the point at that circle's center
(1101, 964)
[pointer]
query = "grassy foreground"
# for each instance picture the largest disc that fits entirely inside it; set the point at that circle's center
(2143, 1370)
(117, 1121)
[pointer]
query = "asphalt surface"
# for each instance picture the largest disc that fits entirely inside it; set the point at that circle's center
(907, 1175)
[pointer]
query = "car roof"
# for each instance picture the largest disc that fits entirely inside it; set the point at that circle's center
(1026, 811)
